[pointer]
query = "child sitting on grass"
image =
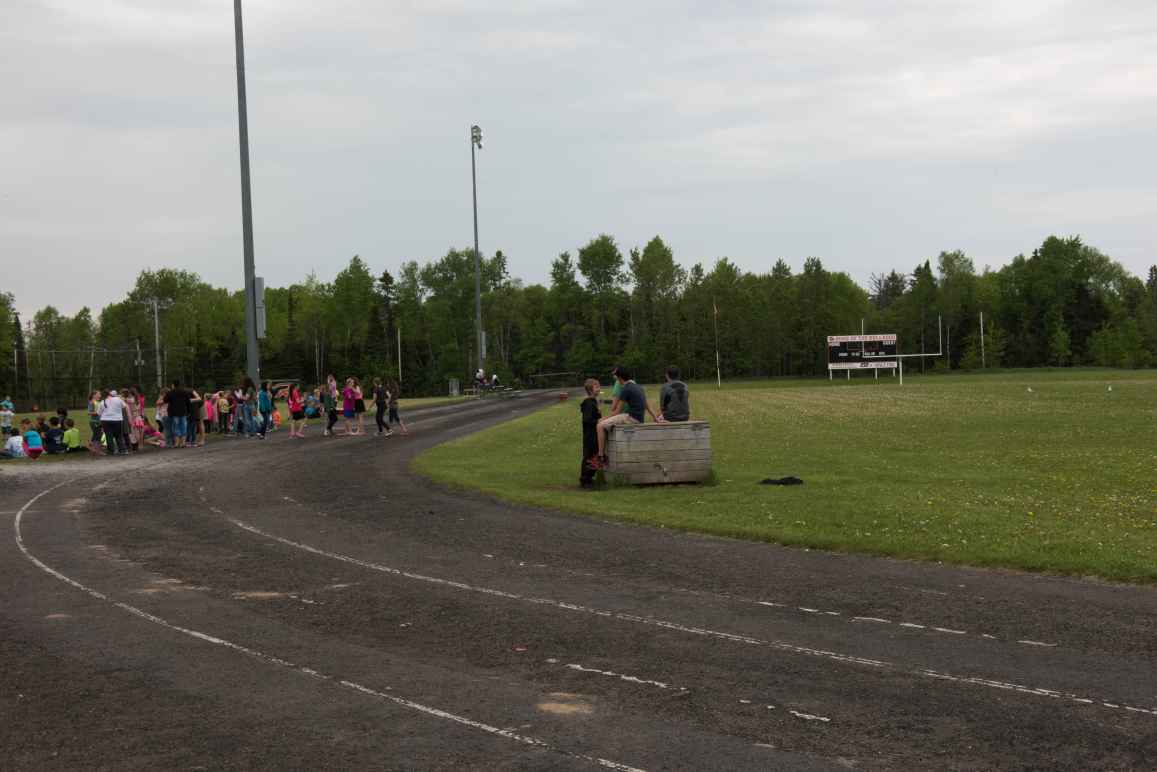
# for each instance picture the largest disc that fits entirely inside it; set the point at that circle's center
(54, 437)
(14, 446)
(72, 443)
(33, 444)
(591, 416)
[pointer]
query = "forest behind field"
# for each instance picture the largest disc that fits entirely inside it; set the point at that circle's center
(1064, 304)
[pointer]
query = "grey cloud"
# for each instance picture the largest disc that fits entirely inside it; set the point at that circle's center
(870, 134)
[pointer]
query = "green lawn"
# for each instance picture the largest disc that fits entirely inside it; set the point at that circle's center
(971, 469)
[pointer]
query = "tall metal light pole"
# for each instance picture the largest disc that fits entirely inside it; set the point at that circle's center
(252, 366)
(157, 305)
(476, 141)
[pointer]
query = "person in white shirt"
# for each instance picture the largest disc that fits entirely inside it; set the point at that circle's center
(14, 447)
(112, 415)
(6, 415)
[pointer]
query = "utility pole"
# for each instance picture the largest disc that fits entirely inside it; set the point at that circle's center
(91, 367)
(157, 342)
(252, 367)
(476, 141)
(156, 304)
(141, 362)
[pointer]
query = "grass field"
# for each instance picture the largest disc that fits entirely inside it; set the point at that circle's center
(972, 469)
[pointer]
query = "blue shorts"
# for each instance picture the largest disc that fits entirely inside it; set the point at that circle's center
(178, 425)
(348, 413)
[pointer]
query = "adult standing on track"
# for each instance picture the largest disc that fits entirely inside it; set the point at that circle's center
(329, 401)
(265, 407)
(112, 412)
(349, 406)
(249, 406)
(134, 421)
(94, 417)
(178, 401)
(359, 406)
(194, 432)
(381, 401)
(395, 395)
(162, 417)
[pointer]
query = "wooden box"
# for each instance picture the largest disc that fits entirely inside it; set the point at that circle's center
(654, 453)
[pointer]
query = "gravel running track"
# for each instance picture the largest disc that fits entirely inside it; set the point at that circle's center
(312, 604)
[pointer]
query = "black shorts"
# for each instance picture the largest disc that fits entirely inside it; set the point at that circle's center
(298, 415)
(359, 406)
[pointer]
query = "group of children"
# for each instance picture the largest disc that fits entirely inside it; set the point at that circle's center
(184, 416)
(57, 434)
(349, 403)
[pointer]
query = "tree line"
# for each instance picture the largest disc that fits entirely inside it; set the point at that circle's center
(1064, 304)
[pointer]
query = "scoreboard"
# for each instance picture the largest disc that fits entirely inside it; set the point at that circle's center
(855, 352)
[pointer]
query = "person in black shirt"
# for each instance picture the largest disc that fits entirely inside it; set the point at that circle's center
(591, 416)
(54, 437)
(674, 401)
(178, 401)
(381, 399)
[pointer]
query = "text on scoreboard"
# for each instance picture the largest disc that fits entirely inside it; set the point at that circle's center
(847, 352)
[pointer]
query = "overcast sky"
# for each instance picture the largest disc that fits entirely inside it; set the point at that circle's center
(872, 134)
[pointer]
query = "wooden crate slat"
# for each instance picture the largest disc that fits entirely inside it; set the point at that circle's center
(654, 478)
(657, 447)
(629, 456)
(660, 431)
(633, 467)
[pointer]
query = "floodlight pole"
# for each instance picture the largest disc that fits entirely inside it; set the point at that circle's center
(157, 341)
(156, 304)
(476, 141)
(252, 366)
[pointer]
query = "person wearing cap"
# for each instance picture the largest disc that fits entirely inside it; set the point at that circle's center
(112, 414)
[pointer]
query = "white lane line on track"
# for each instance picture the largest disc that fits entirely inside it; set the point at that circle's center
(620, 676)
(808, 716)
(310, 672)
(652, 621)
(907, 625)
(655, 622)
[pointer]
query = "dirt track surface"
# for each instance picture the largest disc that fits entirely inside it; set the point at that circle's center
(312, 604)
